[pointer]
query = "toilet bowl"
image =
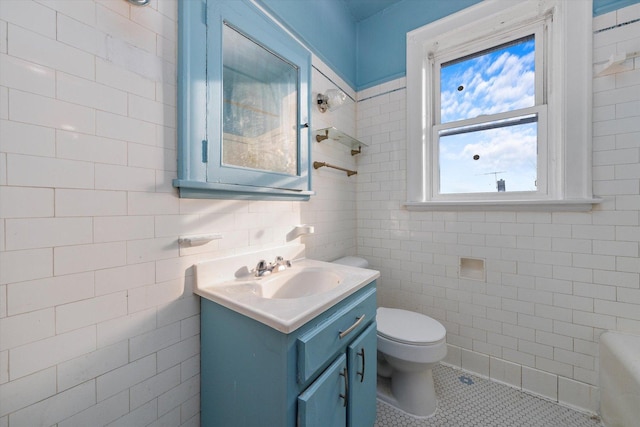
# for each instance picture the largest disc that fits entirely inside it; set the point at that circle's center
(409, 346)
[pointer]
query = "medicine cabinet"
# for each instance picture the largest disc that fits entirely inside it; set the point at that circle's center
(243, 105)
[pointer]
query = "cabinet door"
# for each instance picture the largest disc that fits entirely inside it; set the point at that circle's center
(362, 363)
(244, 91)
(324, 402)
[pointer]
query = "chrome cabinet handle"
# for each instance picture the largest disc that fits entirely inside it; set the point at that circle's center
(361, 374)
(352, 327)
(346, 386)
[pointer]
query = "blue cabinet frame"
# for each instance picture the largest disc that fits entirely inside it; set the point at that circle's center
(201, 173)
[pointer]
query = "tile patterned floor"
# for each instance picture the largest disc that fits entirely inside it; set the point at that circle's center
(470, 401)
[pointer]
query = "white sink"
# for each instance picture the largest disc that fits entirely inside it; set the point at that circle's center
(284, 300)
(297, 283)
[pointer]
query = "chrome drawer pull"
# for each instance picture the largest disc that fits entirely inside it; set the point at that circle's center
(361, 374)
(352, 327)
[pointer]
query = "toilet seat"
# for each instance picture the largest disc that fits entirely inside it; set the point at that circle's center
(408, 327)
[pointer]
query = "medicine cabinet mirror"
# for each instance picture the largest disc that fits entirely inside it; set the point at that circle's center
(243, 89)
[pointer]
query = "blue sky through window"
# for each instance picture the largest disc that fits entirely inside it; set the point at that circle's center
(493, 81)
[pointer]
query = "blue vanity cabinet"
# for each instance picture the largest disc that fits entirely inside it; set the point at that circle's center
(255, 375)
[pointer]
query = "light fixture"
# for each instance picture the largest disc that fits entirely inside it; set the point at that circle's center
(139, 2)
(331, 100)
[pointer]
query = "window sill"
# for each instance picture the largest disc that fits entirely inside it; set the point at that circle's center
(572, 205)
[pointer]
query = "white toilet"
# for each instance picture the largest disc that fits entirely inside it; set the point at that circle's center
(409, 345)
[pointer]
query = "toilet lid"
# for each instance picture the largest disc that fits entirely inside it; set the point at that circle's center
(408, 327)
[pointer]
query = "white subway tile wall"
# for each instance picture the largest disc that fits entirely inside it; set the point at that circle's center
(554, 281)
(97, 317)
(98, 322)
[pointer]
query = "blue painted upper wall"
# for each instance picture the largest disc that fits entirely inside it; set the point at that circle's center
(373, 50)
(326, 26)
(604, 6)
(381, 50)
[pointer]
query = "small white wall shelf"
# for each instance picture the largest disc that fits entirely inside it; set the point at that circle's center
(334, 134)
(615, 64)
(198, 239)
(300, 230)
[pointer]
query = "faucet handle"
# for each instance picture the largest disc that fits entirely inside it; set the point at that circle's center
(280, 264)
(261, 268)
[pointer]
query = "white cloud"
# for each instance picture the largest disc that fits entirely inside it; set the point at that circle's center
(490, 85)
(510, 151)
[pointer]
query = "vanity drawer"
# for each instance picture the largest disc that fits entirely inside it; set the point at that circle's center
(319, 345)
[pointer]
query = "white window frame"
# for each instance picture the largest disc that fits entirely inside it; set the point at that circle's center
(564, 161)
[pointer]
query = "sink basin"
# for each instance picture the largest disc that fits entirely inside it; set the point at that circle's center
(283, 300)
(297, 283)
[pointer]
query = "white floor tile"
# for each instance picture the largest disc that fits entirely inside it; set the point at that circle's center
(465, 400)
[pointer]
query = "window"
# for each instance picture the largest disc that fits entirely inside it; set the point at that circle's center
(486, 128)
(499, 108)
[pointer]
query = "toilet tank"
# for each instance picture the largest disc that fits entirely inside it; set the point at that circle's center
(353, 261)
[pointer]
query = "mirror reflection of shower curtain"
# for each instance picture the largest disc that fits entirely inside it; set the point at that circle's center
(259, 107)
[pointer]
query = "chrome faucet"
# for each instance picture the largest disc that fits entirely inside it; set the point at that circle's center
(263, 268)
